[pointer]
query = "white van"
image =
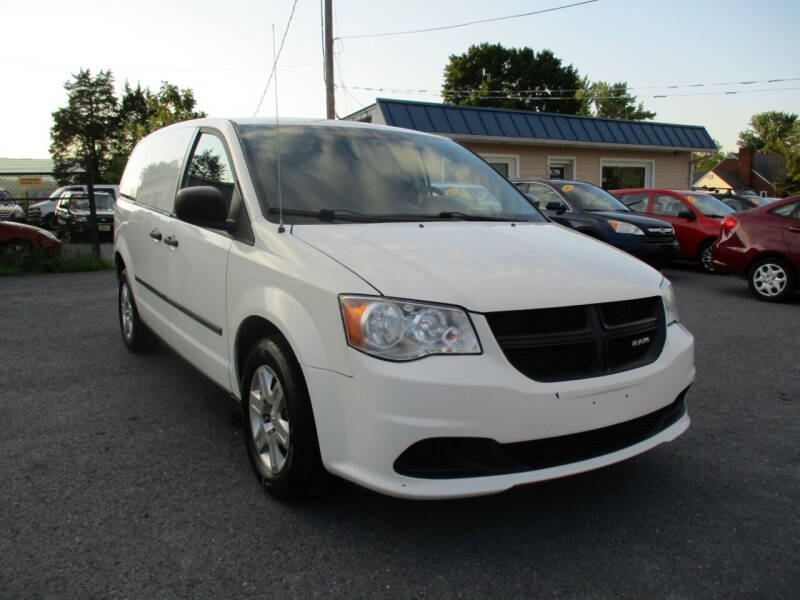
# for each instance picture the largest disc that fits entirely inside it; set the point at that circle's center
(377, 327)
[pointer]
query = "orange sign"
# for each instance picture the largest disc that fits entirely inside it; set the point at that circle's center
(30, 180)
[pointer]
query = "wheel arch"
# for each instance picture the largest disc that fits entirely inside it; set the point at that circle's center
(250, 330)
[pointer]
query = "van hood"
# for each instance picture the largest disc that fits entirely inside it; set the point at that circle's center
(484, 267)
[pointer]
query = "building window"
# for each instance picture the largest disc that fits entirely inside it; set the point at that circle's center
(617, 174)
(561, 167)
(505, 164)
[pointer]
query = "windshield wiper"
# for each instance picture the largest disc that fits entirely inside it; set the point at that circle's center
(472, 217)
(329, 214)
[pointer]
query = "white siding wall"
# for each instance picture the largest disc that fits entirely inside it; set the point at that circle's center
(671, 169)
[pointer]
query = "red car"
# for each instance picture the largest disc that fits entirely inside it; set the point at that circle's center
(695, 216)
(763, 244)
(19, 241)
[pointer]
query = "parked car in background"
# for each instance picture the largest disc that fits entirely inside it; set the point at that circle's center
(72, 215)
(763, 245)
(43, 213)
(593, 211)
(695, 216)
(9, 210)
(19, 241)
(737, 203)
(404, 319)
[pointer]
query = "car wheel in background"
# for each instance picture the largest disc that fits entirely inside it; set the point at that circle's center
(772, 279)
(49, 222)
(278, 423)
(15, 253)
(704, 256)
(135, 334)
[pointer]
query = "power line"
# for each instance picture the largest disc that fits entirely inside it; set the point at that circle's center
(443, 27)
(572, 98)
(277, 56)
(560, 90)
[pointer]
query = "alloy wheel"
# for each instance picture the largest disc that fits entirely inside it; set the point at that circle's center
(269, 419)
(126, 311)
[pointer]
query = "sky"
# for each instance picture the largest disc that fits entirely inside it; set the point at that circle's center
(223, 51)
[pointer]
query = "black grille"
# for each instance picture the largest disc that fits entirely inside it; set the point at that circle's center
(546, 320)
(439, 458)
(574, 342)
(630, 311)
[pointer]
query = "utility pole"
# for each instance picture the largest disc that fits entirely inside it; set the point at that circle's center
(330, 102)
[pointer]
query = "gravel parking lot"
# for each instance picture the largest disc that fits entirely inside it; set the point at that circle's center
(126, 476)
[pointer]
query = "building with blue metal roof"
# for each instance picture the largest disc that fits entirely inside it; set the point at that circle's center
(521, 144)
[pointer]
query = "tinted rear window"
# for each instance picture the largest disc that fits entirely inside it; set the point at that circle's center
(151, 175)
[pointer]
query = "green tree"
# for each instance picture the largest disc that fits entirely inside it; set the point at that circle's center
(768, 131)
(789, 147)
(495, 76)
(611, 100)
(86, 125)
(95, 122)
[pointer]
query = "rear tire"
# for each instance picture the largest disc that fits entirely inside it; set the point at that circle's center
(49, 222)
(772, 279)
(278, 423)
(135, 334)
(704, 255)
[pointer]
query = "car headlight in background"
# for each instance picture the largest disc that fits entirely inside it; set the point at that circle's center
(621, 227)
(670, 306)
(400, 330)
(81, 219)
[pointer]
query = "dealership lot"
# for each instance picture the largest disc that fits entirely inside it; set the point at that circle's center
(126, 476)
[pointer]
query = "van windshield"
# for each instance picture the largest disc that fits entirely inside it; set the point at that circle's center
(331, 173)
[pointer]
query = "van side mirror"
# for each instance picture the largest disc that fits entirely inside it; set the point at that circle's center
(202, 205)
(557, 207)
(686, 214)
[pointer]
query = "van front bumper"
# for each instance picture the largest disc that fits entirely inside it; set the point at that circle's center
(367, 422)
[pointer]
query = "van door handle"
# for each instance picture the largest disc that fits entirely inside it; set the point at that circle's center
(156, 235)
(794, 229)
(171, 241)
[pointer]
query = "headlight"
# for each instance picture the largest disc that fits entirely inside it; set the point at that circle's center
(400, 330)
(670, 306)
(81, 219)
(621, 227)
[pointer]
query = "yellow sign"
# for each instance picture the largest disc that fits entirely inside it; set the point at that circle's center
(568, 187)
(30, 180)
(451, 192)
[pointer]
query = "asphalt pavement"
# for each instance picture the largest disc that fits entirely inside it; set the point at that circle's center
(125, 476)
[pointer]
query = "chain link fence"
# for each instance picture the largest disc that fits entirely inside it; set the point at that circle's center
(18, 191)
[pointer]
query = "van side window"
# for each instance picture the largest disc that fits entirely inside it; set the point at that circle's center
(151, 176)
(209, 165)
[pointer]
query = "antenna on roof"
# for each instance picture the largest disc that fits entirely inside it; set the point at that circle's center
(281, 228)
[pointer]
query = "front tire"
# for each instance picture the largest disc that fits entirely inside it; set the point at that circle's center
(15, 253)
(278, 423)
(772, 279)
(135, 334)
